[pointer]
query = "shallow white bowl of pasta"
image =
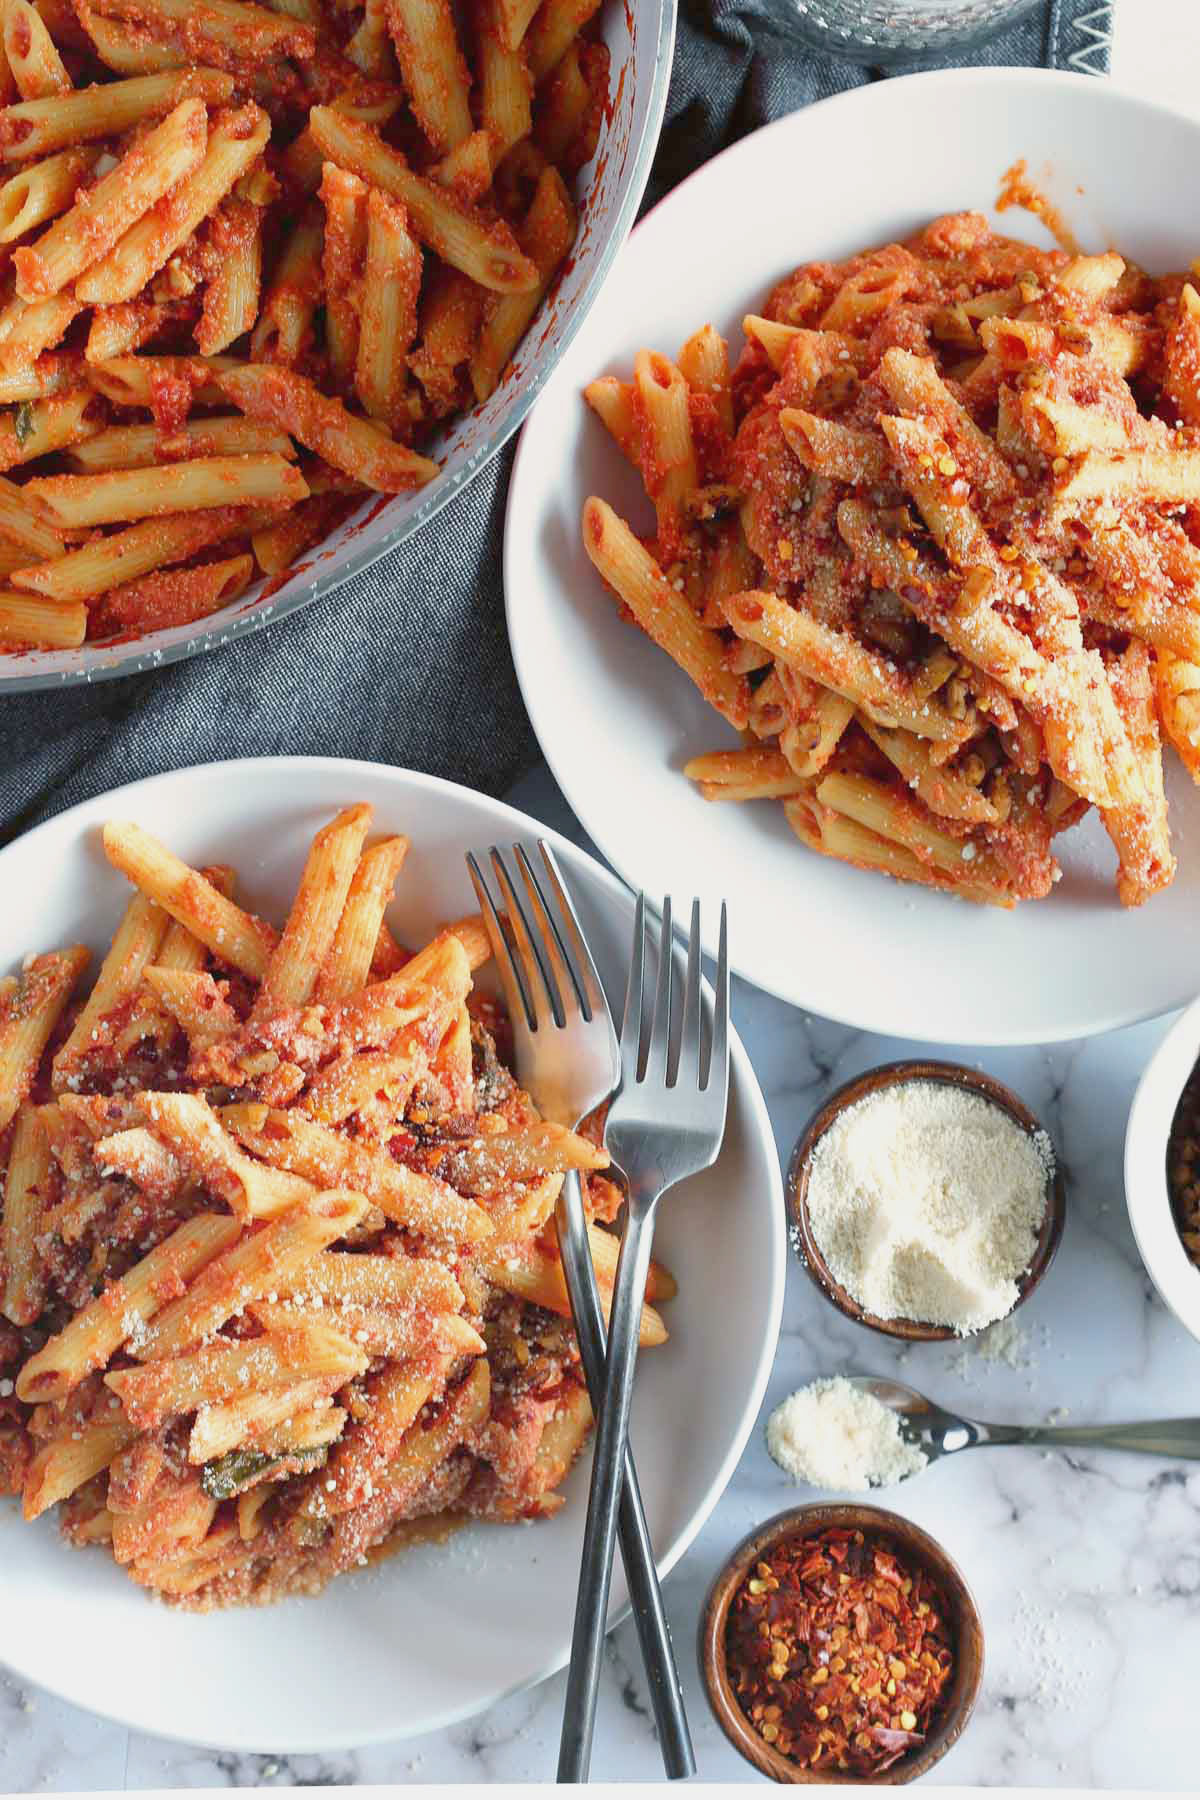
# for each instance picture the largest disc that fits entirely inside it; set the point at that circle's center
(435, 1635)
(617, 719)
(640, 36)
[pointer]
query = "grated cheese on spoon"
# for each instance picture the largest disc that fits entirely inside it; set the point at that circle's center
(832, 1435)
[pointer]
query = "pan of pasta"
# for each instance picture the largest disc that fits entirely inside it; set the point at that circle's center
(920, 528)
(276, 283)
(284, 1336)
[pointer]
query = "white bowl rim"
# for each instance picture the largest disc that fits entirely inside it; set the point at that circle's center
(758, 1127)
(1147, 1189)
(140, 659)
(1005, 76)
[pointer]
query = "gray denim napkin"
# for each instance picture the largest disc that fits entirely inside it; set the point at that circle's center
(409, 664)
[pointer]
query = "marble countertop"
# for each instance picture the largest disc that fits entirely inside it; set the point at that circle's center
(1084, 1565)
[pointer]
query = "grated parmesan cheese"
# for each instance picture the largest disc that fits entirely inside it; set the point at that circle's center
(925, 1199)
(832, 1435)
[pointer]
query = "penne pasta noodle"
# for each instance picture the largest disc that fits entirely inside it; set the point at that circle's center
(546, 236)
(291, 973)
(36, 68)
(505, 84)
(231, 296)
(28, 1191)
(555, 25)
(234, 936)
(121, 1313)
(432, 68)
(633, 574)
(248, 1270)
(231, 34)
(40, 624)
(344, 198)
(73, 501)
(284, 330)
(347, 964)
(29, 1011)
(41, 191)
(190, 1129)
(388, 314)
(136, 446)
(36, 127)
(112, 562)
(67, 1462)
(306, 1351)
(135, 943)
(41, 427)
(357, 447)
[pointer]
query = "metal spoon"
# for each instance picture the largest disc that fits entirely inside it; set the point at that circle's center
(940, 1433)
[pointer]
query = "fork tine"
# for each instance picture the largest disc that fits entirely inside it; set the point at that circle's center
(548, 937)
(631, 1017)
(658, 1051)
(592, 998)
(528, 947)
(691, 1037)
(718, 1060)
(512, 978)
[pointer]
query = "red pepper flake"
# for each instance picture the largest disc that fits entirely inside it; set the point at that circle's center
(839, 1652)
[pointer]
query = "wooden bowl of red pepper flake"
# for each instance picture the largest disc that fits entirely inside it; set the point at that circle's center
(841, 1644)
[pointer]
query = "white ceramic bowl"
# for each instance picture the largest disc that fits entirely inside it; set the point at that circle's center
(615, 717)
(431, 1637)
(640, 35)
(1147, 1196)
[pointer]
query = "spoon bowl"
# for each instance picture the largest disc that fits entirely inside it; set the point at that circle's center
(874, 1081)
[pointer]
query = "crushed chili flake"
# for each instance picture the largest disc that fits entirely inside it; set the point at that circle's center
(839, 1651)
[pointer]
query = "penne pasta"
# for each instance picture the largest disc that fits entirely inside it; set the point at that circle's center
(73, 501)
(460, 236)
(36, 127)
(388, 314)
(633, 574)
(358, 448)
(29, 1011)
(234, 936)
(234, 144)
(546, 236)
(28, 1191)
(120, 1314)
(41, 191)
(305, 1322)
(432, 68)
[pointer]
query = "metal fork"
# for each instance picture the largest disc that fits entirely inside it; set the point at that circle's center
(567, 1059)
(666, 1123)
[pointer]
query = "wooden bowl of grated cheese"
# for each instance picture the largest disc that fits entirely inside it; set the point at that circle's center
(926, 1200)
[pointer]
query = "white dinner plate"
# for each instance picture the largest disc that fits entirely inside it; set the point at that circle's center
(617, 720)
(435, 1635)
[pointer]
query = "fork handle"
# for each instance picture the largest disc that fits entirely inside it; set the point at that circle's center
(637, 1549)
(608, 1463)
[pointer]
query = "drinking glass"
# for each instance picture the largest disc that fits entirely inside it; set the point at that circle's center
(887, 31)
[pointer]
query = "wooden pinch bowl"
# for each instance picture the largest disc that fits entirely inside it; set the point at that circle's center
(800, 1169)
(917, 1547)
